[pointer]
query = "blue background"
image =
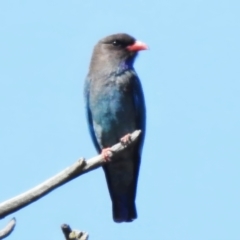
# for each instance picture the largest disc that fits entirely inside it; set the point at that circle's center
(189, 179)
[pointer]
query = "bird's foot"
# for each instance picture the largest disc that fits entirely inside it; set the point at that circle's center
(126, 139)
(106, 154)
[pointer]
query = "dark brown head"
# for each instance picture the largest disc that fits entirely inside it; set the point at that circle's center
(114, 50)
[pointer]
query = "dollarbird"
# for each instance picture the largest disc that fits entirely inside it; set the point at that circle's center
(115, 107)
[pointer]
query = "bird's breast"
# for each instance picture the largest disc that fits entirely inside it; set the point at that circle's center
(112, 108)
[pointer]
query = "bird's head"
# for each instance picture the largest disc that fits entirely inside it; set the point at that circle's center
(114, 50)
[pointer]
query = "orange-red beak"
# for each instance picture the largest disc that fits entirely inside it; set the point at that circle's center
(137, 46)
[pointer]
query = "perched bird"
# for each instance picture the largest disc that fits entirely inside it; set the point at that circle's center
(115, 107)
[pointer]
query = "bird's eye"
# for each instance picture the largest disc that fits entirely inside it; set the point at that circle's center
(116, 43)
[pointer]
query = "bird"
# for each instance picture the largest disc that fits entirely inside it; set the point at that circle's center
(115, 107)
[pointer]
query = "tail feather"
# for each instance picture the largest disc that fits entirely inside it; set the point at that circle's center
(124, 212)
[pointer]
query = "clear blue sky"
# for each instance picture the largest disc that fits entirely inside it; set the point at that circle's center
(189, 185)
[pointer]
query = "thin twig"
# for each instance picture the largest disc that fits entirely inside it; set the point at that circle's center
(73, 234)
(8, 229)
(80, 167)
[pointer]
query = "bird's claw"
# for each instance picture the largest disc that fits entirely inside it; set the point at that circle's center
(126, 139)
(106, 154)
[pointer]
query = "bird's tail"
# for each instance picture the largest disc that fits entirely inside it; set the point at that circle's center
(123, 211)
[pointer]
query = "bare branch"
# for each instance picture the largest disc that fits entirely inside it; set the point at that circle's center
(8, 229)
(73, 234)
(80, 167)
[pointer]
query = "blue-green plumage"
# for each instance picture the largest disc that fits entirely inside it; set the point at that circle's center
(115, 107)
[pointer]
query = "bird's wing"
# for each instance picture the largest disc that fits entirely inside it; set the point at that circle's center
(89, 114)
(123, 197)
(139, 104)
